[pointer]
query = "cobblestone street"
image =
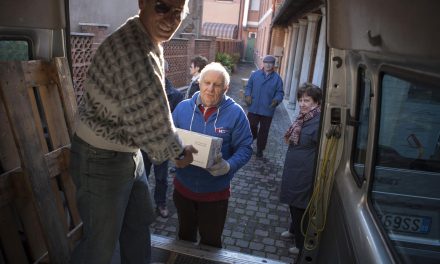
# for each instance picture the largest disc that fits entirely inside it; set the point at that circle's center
(255, 217)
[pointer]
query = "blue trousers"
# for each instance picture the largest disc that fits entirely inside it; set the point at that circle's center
(161, 176)
(114, 203)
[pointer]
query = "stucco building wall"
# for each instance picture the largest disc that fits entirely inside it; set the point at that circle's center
(221, 11)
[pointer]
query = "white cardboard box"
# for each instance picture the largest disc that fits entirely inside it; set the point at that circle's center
(208, 146)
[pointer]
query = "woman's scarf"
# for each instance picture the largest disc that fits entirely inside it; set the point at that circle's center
(292, 134)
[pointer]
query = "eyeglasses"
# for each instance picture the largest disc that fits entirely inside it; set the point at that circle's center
(162, 8)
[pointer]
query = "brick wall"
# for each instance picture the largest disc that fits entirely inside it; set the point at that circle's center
(178, 52)
(203, 48)
(277, 45)
(83, 48)
(175, 52)
(81, 52)
(277, 39)
(99, 31)
(230, 47)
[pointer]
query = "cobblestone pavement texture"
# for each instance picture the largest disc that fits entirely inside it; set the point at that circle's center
(255, 217)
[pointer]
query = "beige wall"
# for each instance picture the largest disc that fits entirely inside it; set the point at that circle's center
(221, 11)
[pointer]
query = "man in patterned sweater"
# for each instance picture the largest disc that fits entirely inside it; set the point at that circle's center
(124, 109)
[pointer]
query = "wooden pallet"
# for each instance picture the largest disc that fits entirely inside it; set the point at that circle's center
(39, 220)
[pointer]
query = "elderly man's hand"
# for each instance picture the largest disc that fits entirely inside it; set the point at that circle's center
(248, 100)
(220, 167)
(274, 103)
(187, 157)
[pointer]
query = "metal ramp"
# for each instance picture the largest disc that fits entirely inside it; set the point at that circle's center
(166, 250)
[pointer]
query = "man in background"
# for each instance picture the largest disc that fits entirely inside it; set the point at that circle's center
(263, 93)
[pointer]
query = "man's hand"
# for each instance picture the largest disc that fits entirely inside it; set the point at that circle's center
(248, 100)
(221, 167)
(187, 157)
(274, 103)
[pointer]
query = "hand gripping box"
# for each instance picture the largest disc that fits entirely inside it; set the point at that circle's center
(208, 146)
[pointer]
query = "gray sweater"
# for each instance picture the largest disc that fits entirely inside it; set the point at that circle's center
(124, 106)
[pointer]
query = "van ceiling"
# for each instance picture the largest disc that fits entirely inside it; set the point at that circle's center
(46, 14)
(405, 27)
(292, 10)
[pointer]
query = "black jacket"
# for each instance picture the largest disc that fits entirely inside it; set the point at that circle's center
(174, 95)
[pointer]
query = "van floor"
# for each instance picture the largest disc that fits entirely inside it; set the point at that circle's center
(169, 257)
(189, 253)
(167, 250)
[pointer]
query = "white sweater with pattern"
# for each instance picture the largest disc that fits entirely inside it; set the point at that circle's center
(124, 106)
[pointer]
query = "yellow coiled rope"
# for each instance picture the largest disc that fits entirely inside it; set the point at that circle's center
(316, 211)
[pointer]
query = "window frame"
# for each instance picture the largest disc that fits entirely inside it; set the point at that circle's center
(360, 180)
(251, 5)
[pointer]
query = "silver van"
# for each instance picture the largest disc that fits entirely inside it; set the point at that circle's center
(380, 197)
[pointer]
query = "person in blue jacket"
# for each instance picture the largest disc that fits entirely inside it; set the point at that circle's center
(263, 93)
(201, 195)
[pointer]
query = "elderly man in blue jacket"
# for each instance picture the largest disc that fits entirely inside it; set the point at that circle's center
(201, 195)
(264, 91)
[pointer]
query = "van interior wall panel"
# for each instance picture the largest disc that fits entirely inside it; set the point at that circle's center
(388, 22)
(38, 105)
(10, 238)
(9, 158)
(28, 225)
(47, 14)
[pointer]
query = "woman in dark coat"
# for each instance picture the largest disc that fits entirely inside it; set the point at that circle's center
(298, 174)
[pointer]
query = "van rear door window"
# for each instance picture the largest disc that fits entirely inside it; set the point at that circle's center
(405, 190)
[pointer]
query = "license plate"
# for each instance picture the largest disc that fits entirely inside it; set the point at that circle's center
(405, 223)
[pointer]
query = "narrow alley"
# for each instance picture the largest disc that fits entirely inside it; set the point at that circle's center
(255, 217)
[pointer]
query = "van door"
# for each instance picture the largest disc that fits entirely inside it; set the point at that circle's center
(384, 80)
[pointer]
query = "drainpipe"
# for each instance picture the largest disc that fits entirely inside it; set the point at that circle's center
(243, 24)
(240, 21)
(245, 13)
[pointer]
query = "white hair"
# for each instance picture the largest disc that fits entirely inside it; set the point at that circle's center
(216, 67)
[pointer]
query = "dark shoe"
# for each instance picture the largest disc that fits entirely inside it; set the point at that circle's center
(162, 210)
(259, 154)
